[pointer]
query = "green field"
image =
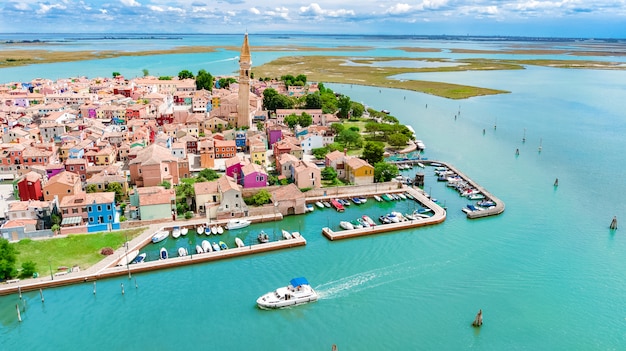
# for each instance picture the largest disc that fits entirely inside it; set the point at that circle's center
(81, 250)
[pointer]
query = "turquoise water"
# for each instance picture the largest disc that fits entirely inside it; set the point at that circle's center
(547, 273)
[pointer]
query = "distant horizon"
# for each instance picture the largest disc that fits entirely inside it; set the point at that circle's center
(438, 36)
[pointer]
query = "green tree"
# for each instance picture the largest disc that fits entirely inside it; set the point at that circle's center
(282, 102)
(345, 106)
(291, 121)
(384, 172)
(224, 83)
(337, 128)
(185, 74)
(329, 101)
(328, 173)
(349, 138)
(117, 189)
(165, 184)
(208, 174)
(268, 95)
(313, 101)
(204, 80)
(357, 109)
(262, 197)
(397, 140)
(8, 256)
(301, 78)
(373, 152)
(305, 120)
(165, 78)
(116, 74)
(260, 126)
(91, 188)
(145, 72)
(28, 269)
(319, 152)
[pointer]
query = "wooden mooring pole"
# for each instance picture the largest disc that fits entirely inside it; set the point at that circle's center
(41, 294)
(478, 321)
(613, 225)
(19, 315)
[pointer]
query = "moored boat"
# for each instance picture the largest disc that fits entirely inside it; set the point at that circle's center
(384, 219)
(337, 205)
(176, 232)
(237, 224)
(182, 251)
(477, 196)
(363, 223)
(220, 230)
(184, 231)
(163, 253)
(128, 258)
(206, 246)
(421, 165)
(160, 236)
(263, 237)
(387, 197)
(223, 245)
(310, 208)
(140, 258)
(214, 230)
(287, 235)
(356, 200)
(346, 225)
(215, 246)
(200, 230)
(409, 196)
(402, 196)
(239, 242)
(362, 199)
(319, 204)
(378, 198)
(326, 204)
(368, 220)
(298, 291)
(295, 234)
(199, 249)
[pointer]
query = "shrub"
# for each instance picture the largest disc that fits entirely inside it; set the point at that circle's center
(28, 269)
(188, 215)
(107, 251)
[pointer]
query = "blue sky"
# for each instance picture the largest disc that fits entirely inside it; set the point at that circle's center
(559, 18)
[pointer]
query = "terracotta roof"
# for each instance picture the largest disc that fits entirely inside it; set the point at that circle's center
(205, 188)
(156, 197)
(252, 168)
(335, 155)
(356, 163)
(226, 183)
(16, 223)
(153, 154)
(66, 177)
(32, 176)
(287, 192)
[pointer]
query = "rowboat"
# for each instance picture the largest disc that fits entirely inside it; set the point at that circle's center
(319, 204)
(220, 230)
(163, 253)
(263, 237)
(239, 242)
(184, 231)
(223, 245)
(287, 235)
(182, 251)
(160, 236)
(378, 198)
(206, 246)
(199, 249)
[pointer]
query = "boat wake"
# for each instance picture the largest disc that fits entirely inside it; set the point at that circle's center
(225, 60)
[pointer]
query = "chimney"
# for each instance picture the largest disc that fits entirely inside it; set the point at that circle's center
(345, 151)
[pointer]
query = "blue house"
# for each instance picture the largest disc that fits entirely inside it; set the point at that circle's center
(101, 212)
(240, 139)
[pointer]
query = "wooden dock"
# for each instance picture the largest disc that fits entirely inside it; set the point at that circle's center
(439, 215)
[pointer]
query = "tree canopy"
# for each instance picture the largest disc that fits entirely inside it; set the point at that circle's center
(204, 80)
(8, 257)
(384, 172)
(185, 74)
(328, 173)
(373, 152)
(349, 138)
(345, 106)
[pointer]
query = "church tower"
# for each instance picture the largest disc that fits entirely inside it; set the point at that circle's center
(243, 105)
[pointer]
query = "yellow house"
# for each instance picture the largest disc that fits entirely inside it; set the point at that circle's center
(106, 156)
(359, 172)
(258, 154)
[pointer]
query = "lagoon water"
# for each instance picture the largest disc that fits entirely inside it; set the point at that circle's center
(547, 273)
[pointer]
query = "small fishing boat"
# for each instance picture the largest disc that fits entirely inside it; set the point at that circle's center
(346, 225)
(200, 230)
(160, 236)
(163, 253)
(378, 198)
(319, 204)
(423, 210)
(369, 221)
(287, 235)
(387, 197)
(206, 246)
(176, 232)
(239, 242)
(295, 234)
(393, 218)
(220, 230)
(326, 204)
(395, 196)
(223, 245)
(199, 249)
(410, 216)
(237, 224)
(140, 258)
(184, 231)
(310, 208)
(215, 246)
(402, 196)
(356, 200)
(263, 237)
(421, 165)
(486, 203)
(363, 223)
(297, 292)
(214, 230)
(477, 196)
(384, 219)
(182, 251)
(356, 224)
(362, 199)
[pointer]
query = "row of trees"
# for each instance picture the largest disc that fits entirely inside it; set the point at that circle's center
(8, 261)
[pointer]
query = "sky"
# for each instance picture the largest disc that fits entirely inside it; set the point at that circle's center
(537, 18)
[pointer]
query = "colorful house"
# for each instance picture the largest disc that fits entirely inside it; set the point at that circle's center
(153, 165)
(30, 186)
(101, 211)
(154, 202)
(231, 199)
(359, 172)
(306, 175)
(233, 167)
(207, 198)
(253, 176)
(61, 185)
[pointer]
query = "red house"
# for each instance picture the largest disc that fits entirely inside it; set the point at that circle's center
(30, 187)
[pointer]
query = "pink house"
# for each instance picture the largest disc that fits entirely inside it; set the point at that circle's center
(233, 167)
(253, 176)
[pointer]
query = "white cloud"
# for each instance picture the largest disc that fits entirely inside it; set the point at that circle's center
(255, 11)
(315, 10)
(21, 6)
(156, 8)
(281, 12)
(103, 11)
(44, 8)
(131, 3)
(398, 9)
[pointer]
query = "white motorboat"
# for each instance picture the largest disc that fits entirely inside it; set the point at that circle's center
(378, 198)
(140, 258)
(237, 223)
(369, 221)
(319, 204)
(310, 208)
(160, 236)
(421, 165)
(220, 230)
(263, 237)
(184, 231)
(239, 242)
(215, 246)
(182, 251)
(200, 230)
(393, 218)
(402, 196)
(326, 204)
(297, 292)
(295, 234)
(362, 199)
(176, 232)
(346, 225)
(287, 235)
(128, 258)
(199, 249)
(163, 254)
(214, 230)
(206, 246)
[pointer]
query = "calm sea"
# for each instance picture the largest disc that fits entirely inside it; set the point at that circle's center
(548, 273)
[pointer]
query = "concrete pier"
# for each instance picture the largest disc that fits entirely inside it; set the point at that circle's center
(439, 215)
(492, 211)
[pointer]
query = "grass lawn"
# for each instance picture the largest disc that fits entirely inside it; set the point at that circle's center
(79, 249)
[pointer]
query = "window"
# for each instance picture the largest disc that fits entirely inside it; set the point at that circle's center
(71, 168)
(65, 211)
(165, 169)
(139, 170)
(108, 207)
(110, 218)
(99, 208)
(74, 210)
(82, 168)
(69, 191)
(90, 219)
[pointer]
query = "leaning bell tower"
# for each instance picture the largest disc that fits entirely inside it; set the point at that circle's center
(243, 105)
